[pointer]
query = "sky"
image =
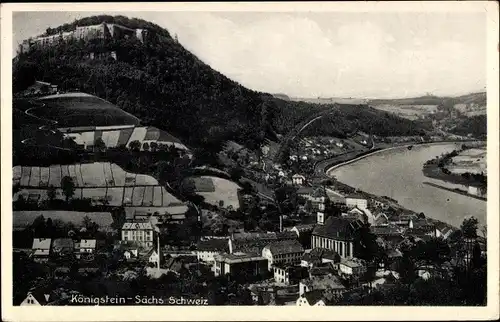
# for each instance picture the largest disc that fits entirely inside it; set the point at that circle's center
(322, 54)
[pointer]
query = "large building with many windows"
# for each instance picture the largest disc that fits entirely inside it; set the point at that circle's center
(140, 232)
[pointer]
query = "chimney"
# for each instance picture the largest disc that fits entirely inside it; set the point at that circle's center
(281, 223)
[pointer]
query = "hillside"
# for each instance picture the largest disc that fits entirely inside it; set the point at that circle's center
(345, 119)
(473, 98)
(166, 86)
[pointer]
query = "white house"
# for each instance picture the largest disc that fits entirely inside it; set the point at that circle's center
(351, 267)
(35, 299)
(85, 248)
(138, 231)
(298, 179)
(207, 249)
(154, 257)
(283, 252)
(41, 249)
(356, 200)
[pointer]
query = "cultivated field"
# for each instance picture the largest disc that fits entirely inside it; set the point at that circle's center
(471, 160)
(224, 190)
(113, 137)
(103, 182)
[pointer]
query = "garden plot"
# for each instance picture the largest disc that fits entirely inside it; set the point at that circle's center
(138, 195)
(110, 138)
(88, 138)
(34, 177)
(138, 135)
(130, 179)
(168, 198)
(65, 171)
(31, 195)
(79, 174)
(157, 196)
(55, 175)
(148, 196)
(96, 194)
(203, 184)
(118, 175)
(72, 174)
(115, 196)
(127, 196)
(44, 177)
(25, 176)
(93, 174)
(225, 191)
(124, 136)
(145, 180)
(17, 172)
(108, 174)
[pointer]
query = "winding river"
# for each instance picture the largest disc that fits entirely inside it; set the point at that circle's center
(397, 173)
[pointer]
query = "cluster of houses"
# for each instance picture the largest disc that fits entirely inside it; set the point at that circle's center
(314, 148)
(44, 249)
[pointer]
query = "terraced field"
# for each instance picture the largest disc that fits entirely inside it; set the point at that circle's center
(102, 182)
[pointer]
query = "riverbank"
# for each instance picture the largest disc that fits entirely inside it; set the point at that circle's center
(334, 165)
(455, 190)
(438, 168)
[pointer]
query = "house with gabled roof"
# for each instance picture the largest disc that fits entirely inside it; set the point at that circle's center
(41, 249)
(298, 179)
(318, 256)
(254, 242)
(325, 282)
(283, 252)
(63, 247)
(36, 297)
(138, 231)
(316, 298)
(85, 248)
(207, 249)
(356, 200)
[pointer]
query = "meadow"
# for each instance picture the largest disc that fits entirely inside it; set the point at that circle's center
(223, 190)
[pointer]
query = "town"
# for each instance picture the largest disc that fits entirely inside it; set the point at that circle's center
(111, 209)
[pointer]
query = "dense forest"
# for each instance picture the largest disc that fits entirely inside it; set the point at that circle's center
(168, 87)
(475, 125)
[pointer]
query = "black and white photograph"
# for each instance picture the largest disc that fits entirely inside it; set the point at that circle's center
(250, 157)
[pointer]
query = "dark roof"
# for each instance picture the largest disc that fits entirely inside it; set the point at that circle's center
(285, 247)
(320, 253)
(338, 228)
(213, 245)
(313, 296)
(356, 196)
(255, 242)
(319, 192)
(385, 230)
(321, 270)
(62, 243)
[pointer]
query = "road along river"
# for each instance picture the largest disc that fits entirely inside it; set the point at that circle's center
(397, 173)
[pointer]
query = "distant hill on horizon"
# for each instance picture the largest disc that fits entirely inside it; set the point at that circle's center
(473, 97)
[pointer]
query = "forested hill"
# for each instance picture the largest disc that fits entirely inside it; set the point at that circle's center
(168, 87)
